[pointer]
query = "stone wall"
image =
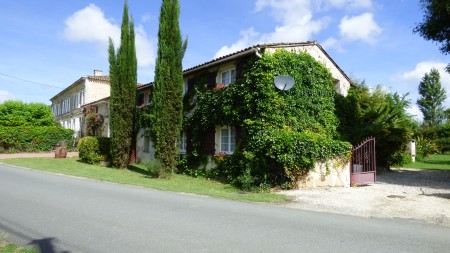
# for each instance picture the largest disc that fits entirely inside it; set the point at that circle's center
(331, 173)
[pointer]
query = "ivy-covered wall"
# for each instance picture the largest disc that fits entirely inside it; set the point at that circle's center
(281, 134)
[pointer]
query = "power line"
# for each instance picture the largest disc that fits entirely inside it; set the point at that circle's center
(42, 84)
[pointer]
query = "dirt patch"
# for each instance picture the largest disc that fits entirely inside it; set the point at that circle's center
(402, 193)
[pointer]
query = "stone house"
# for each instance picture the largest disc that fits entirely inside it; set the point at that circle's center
(68, 104)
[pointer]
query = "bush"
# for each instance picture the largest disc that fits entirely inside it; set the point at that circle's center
(154, 167)
(88, 150)
(425, 147)
(400, 159)
(31, 139)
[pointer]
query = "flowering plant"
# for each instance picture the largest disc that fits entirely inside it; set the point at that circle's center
(220, 86)
(219, 157)
(94, 121)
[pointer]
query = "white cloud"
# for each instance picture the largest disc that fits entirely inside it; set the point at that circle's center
(90, 25)
(414, 77)
(332, 43)
(362, 27)
(296, 22)
(351, 4)
(414, 110)
(249, 37)
(6, 95)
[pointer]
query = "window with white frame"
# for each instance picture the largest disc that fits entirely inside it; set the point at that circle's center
(183, 142)
(229, 76)
(227, 140)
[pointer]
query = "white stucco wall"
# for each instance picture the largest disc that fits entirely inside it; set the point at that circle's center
(96, 90)
(141, 156)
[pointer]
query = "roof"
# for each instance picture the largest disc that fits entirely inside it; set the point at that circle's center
(92, 78)
(96, 101)
(256, 48)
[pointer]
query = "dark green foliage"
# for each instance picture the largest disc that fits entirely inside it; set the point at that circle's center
(93, 149)
(435, 25)
(432, 96)
(283, 133)
(167, 92)
(123, 81)
(88, 150)
(104, 147)
(376, 113)
(17, 113)
(33, 138)
(154, 167)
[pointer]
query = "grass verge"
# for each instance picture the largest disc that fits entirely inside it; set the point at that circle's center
(6, 247)
(434, 162)
(136, 175)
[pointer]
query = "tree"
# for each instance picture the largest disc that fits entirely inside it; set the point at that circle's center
(167, 92)
(123, 80)
(432, 95)
(17, 113)
(365, 112)
(436, 23)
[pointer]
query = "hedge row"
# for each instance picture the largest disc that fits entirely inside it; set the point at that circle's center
(30, 139)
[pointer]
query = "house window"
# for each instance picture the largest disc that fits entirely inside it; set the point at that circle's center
(229, 76)
(185, 88)
(146, 144)
(183, 141)
(227, 140)
(148, 98)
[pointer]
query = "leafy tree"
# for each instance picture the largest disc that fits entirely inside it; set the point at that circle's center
(365, 112)
(432, 95)
(436, 23)
(123, 80)
(17, 113)
(167, 93)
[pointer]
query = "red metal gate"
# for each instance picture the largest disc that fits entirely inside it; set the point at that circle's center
(363, 164)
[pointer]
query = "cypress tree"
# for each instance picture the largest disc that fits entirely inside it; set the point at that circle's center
(123, 80)
(167, 93)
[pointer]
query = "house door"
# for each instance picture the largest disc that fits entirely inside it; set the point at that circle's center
(363, 163)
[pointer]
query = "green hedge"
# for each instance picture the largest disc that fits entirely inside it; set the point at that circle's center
(31, 139)
(94, 149)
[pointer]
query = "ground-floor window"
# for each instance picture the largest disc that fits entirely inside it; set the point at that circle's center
(227, 140)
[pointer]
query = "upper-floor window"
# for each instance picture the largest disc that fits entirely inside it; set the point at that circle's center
(229, 76)
(148, 98)
(227, 140)
(185, 88)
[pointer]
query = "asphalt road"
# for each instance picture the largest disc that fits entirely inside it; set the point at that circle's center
(66, 214)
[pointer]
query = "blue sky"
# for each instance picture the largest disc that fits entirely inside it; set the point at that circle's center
(56, 42)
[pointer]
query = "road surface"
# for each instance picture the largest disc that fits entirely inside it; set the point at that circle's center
(57, 213)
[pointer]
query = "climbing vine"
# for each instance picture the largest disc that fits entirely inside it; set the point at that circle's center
(94, 121)
(282, 133)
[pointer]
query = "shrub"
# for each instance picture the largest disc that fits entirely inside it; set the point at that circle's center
(31, 139)
(88, 150)
(400, 159)
(425, 147)
(154, 167)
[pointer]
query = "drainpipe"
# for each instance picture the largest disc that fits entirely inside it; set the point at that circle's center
(257, 52)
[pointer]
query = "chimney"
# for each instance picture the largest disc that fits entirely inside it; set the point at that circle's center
(98, 72)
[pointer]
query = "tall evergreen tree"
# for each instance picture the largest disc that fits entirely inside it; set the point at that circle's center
(432, 96)
(167, 93)
(123, 80)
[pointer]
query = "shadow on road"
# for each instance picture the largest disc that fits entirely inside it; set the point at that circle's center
(436, 179)
(44, 245)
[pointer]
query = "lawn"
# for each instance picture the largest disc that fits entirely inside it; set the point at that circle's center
(6, 247)
(136, 175)
(434, 162)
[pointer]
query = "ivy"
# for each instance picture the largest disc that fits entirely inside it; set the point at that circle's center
(283, 133)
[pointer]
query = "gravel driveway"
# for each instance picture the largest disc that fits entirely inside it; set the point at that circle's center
(403, 193)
